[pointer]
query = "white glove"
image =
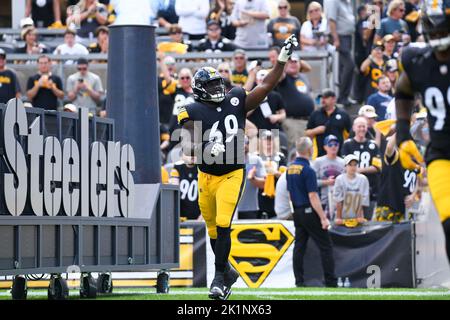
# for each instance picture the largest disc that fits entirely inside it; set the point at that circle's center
(217, 148)
(288, 47)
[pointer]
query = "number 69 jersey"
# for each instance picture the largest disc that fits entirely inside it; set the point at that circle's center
(431, 78)
(224, 122)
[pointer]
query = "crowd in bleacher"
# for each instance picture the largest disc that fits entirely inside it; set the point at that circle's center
(356, 120)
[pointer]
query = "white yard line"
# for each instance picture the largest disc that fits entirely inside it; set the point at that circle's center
(269, 294)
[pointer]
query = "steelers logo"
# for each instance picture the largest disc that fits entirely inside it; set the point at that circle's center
(338, 117)
(234, 101)
(372, 146)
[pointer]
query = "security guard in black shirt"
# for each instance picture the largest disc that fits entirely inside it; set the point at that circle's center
(214, 42)
(309, 217)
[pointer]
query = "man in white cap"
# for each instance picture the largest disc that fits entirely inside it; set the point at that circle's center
(368, 112)
(351, 194)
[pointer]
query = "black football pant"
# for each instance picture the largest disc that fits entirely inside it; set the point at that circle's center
(307, 224)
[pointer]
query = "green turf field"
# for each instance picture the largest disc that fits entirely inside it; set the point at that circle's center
(260, 294)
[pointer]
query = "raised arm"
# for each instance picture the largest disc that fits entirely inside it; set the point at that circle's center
(410, 156)
(259, 93)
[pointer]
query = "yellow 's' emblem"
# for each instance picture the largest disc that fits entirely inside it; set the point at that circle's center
(257, 248)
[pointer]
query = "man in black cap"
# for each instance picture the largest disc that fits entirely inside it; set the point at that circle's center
(214, 42)
(327, 120)
(9, 86)
(84, 88)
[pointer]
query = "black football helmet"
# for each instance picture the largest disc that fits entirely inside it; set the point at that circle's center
(208, 85)
(435, 18)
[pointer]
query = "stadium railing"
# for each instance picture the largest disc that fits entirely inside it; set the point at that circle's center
(323, 74)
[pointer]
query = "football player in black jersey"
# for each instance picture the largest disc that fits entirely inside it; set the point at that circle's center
(427, 71)
(213, 131)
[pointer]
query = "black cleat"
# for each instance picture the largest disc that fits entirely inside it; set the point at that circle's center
(229, 278)
(217, 290)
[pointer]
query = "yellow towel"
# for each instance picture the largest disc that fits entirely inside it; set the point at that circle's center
(172, 47)
(269, 186)
(384, 126)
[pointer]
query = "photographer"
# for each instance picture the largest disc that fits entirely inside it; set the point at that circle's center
(84, 88)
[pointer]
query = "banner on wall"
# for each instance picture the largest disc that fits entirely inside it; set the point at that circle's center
(373, 255)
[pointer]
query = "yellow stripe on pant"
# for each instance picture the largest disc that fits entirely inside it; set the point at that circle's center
(219, 197)
(439, 182)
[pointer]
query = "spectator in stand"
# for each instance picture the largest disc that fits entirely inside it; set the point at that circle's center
(184, 174)
(249, 18)
(182, 96)
(248, 207)
(101, 46)
(32, 46)
(412, 15)
(275, 166)
(84, 88)
(351, 194)
(45, 13)
(381, 10)
(369, 159)
(389, 47)
(328, 167)
(393, 23)
(380, 100)
(284, 25)
(214, 42)
(315, 30)
(391, 71)
(329, 119)
(70, 46)
(363, 42)
(398, 187)
(225, 71)
(273, 55)
(167, 85)
(9, 85)
(282, 203)
(368, 112)
(270, 113)
(166, 13)
(176, 44)
(239, 74)
(296, 93)
(193, 14)
(342, 23)
(222, 14)
(44, 88)
(92, 15)
(373, 68)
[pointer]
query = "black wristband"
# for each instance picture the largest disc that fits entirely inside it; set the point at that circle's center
(402, 129)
